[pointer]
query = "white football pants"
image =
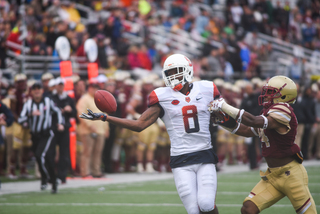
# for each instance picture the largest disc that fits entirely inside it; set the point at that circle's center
(197, 186)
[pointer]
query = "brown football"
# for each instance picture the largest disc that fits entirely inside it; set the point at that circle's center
(105, 101)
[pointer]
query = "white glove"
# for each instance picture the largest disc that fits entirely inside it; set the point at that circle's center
(216, 105)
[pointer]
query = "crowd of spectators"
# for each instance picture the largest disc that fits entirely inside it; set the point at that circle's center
(46, 20)
(241, 54)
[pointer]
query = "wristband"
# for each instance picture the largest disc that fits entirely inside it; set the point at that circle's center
(236, 129)
(103, 117)
(254, 131)
(265, 125)
(240, 115)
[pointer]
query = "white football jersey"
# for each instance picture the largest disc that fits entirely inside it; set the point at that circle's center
(186, 116)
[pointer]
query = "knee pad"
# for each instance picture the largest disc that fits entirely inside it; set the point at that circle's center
(206, 204)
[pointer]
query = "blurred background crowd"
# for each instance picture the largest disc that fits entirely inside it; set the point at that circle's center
(238, 44)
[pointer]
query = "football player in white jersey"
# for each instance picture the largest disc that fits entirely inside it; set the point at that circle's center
(182, 106)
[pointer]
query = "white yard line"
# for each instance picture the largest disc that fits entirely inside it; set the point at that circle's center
(124, 205)
(106, 191)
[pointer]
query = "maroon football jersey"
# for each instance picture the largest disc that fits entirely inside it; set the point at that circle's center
(144, 105)
(278, 145)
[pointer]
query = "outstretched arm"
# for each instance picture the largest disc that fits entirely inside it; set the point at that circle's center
(147, 118)
(241, 116)
(225, 121)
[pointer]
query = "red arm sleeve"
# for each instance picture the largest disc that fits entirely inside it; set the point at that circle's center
(152, 99)
(216, 93)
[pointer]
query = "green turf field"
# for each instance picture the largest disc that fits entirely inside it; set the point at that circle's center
(145, 197)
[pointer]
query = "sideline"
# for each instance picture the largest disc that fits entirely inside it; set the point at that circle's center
(117, 178)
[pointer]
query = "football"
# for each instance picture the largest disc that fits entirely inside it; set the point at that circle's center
(217, 116)
(105, 101)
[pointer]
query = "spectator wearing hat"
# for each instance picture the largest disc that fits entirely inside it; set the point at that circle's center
(36, 114)
(52, 87)
(21, 137)
(62, 139)
(45, 78)
(92, 135)
(102, 80)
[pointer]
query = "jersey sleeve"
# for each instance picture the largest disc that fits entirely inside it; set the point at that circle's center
(280, 113)
(153, 99)
(216, 92)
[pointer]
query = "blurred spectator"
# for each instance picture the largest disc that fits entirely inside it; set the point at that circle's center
(92, 135)
(245, 55)
(202, 21)
(314, 141)
(280, 15)
(236, 11)
(6, 119)
(295, 69)
(212, 66)
(45, 78)
(247, 19)
(250, 104)
(144, 58)
(98, 29)
(3, 53)
(133, 59)
(21, 135)
(116, 28)
(309, 102)
(308, 32)
(79, 89)
(54, 9)
(9, 130)
(176, 9)
(296, 28)
(102, 55)
(300, 112)
(62, 138)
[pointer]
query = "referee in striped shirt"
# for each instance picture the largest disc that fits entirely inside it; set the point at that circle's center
(37, 115)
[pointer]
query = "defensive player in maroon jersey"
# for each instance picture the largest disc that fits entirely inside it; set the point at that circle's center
(277, 129)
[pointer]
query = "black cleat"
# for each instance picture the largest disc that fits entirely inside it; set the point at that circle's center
(43, 186)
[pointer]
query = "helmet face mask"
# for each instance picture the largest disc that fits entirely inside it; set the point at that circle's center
(279, 89)
(177, 70)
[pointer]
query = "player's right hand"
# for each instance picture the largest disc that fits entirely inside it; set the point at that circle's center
(93, 116)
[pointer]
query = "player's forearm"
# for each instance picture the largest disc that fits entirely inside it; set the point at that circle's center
(243, 117)
(245, 131)
(252, 121)
(133, 125)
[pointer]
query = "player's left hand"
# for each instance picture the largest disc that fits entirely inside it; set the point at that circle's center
(93, 116)
(216, 105)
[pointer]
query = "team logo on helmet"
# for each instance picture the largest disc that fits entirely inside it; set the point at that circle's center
(190, 64)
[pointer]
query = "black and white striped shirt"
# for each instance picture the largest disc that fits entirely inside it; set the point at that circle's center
(43, 122)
